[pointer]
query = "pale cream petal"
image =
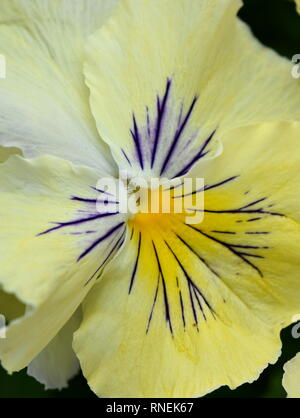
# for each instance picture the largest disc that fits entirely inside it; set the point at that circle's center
(44, 105)
(291, 377)
(178, 74)
(57, 363)
(53, 239)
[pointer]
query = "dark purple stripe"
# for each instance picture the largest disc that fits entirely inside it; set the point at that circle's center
(99, 240)
(189, 288)
(148, 122)
(224, 232)
(242, 209)
(253, 203)
(166, 301)
(181, 302)
(189, 279)
(229, 247)
(101, 191)
(193, 306)
(83, 199)
(137, 141)
(83, 232)
(221, 183)
(78, 221)
(198, 255)
(135, 264)
(251, 255)
(125, 155)
(263, 212)
(177, 137)
(253, 247)
(106, 258)
(153, 305)
(257, 233)
(161, 108)
(182, 308)
(132, 232)
(174, 187)
(107, 202)
(196, 292)
(207, 187)
(86, 200)
(197, 157)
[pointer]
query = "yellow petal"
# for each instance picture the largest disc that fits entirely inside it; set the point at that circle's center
(52, 241)
(168, 78)
(57, 363)
(44, 102)
(291, 377)
(298, 5)
(187, 308)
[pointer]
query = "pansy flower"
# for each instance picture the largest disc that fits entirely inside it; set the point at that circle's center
(153, 305)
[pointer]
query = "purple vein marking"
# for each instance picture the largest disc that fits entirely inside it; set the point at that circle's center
(101, 191)
(212, 186)
(136, 263)
(77, 221)
(192, 287)
(137, 141)
(177, 136)
(153, 305)
(174, 187)
(161, 109)
(243, 209)
(253, 203)
(83, 232)
(258, 233)
(181, 303)
(180, 115)
(207, 187)
(83, 199)
(165, 293)
(240, 210)
(148, 122)
(232, 248)
(99, 240)
(125, 155)
(198, 256)
(115, 247)
(87, 200)
(224, 232)
(197, 157)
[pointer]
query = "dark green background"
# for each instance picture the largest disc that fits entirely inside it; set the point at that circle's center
(277, 25)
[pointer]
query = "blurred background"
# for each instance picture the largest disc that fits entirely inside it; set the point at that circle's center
(276, 24)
